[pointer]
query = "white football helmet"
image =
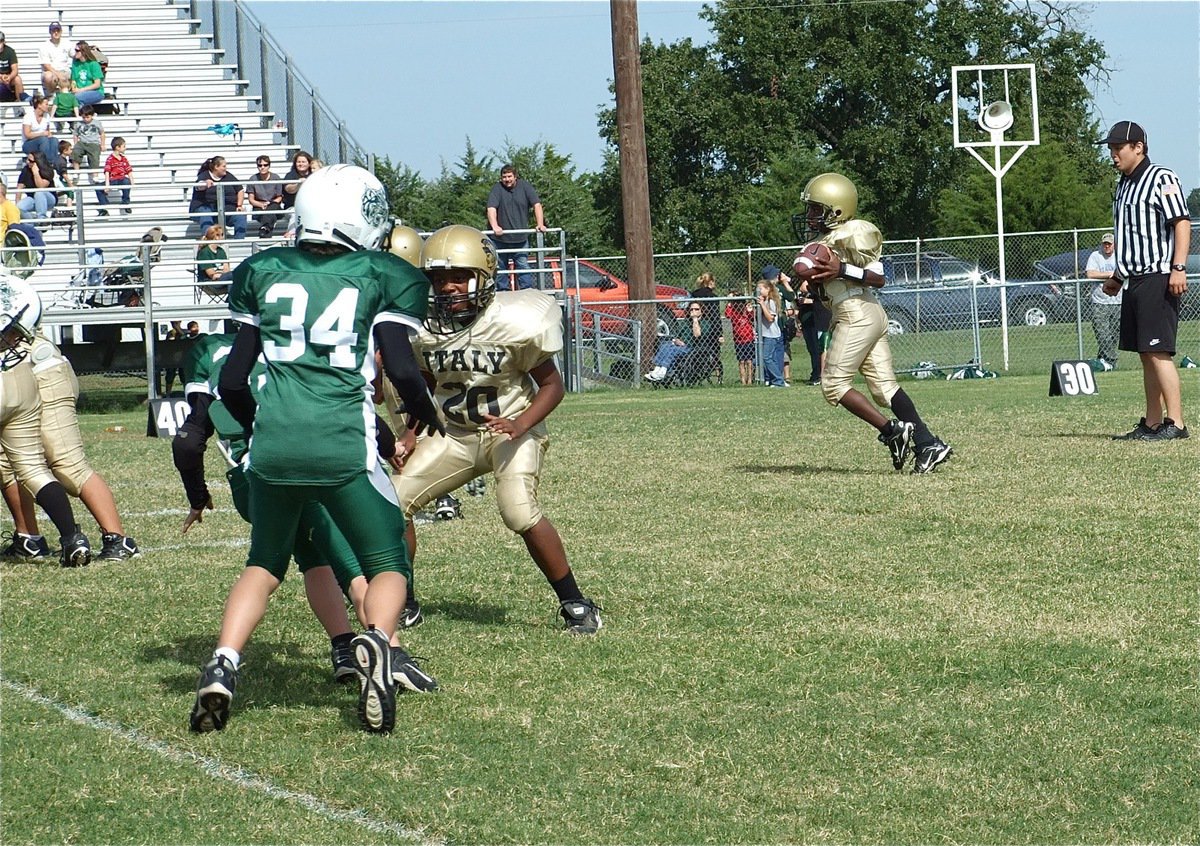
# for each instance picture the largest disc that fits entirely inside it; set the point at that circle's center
(20, 316)
(343, 205)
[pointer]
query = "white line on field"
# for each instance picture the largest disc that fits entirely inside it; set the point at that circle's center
(234, 775)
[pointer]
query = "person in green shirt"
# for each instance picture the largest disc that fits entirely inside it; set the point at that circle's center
(87, 76)
(318, 313)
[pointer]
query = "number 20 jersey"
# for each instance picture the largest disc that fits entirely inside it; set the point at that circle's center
(315, 423)
(485, 369)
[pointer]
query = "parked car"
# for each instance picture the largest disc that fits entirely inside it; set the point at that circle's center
(601, 291)
(931, 292)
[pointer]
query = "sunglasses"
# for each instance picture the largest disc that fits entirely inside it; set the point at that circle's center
(264, 164)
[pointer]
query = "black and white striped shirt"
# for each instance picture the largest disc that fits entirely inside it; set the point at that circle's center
(1145, 208)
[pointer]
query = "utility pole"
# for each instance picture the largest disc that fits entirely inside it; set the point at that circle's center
(635, 180)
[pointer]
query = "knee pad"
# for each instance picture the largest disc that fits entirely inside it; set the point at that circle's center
(517, 498)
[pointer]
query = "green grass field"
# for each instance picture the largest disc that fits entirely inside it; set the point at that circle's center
(800, 645)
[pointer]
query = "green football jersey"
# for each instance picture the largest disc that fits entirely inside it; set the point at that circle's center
(316, 314)
(202, 374)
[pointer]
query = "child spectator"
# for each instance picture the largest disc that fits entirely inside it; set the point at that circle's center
(741, 323)
(117, 171)
(62, 162)
(66, 104)
(89, 139)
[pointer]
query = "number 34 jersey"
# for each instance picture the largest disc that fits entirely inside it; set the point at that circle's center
(315, 423)
(485, 369)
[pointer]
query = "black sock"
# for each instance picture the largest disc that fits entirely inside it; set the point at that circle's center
(53, 500)
(903, 406)
(342, 639)
(411, 596)
(566, 589)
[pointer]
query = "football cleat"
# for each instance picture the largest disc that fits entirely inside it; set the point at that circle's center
(344, 667)
(117, 548)
(214, 693)
(407, 673)
(25, 546)
(76, 551)
(931, 455)
(1168, 431)
(477, 486)
(447, 508)
(377, 699)
(582, 616)
(1140, 432)
(412, 615)
(898, 439)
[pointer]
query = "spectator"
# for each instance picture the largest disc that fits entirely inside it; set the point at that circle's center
(193, 329)
(787, 328)
(814, 319)
(117, 171)
(317, 164)
(769, 309)
(87, 76)
(204, 196)
(89, 140)
(691, 335)
(37, 174)
(55, 57)
(170, 373)
(508, 208)
(301, 169)
(1106, 310)
(66, 105)
(741, 322)
(38, 129)
(266, 197)
(9, 213)
(706, 295)
(11, 86)
(212, 267)
(1154, 232)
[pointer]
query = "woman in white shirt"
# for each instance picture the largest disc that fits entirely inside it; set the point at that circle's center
(38, 129)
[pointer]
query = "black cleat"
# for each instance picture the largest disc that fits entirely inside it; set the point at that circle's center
(117, 548)
(898, 439)
(582, 616)
(377, 700)
(25, 546)
(344, 668)
(76, 551)
(447, 508)
(930, 456)
(1140, 432)
(412, 615)
(1168, 431)
(214, 693)
(407, 673)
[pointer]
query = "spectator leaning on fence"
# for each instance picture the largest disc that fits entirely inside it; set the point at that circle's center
(55, 57)
(1153, 232)
(508, 207)
(11, 86)
(1106, 310)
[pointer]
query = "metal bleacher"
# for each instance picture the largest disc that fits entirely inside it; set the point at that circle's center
(171, 84)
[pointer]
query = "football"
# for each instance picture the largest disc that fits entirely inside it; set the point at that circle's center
(804, 263)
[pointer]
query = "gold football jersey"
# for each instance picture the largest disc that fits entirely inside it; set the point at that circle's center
(857, 242)
(485, 369)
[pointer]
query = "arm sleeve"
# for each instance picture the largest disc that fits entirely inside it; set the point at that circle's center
(385, 438)
(400, 365)
(235, 375)
(188, 448)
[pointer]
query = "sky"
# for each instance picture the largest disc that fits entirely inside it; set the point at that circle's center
(415, 80)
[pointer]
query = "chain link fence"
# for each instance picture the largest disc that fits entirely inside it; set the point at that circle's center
(946, 305)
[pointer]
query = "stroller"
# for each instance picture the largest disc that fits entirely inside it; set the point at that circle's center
(99, 285)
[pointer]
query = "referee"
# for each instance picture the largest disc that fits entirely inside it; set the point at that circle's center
(1153, 231)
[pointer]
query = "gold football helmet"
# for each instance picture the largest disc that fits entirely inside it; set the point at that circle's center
(405, 242)
(461, 263)
(832, 200)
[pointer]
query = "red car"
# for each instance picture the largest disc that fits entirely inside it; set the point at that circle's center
(597, 288)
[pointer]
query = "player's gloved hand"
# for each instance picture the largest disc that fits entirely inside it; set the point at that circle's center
(427, 415)
(196, 515)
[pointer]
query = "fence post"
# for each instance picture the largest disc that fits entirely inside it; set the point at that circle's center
(148, 332)
(264, 70)
(1078, 293)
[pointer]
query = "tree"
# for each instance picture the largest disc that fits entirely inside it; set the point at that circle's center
(866, 83)
(1193, 203)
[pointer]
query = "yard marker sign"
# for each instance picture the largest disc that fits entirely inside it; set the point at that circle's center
(1072, 379)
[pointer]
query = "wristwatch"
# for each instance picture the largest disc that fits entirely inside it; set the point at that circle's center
(1182, 267)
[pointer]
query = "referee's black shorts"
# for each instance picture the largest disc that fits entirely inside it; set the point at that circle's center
(1149, 315)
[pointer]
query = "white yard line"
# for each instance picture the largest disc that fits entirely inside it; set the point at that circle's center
(235, 776)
